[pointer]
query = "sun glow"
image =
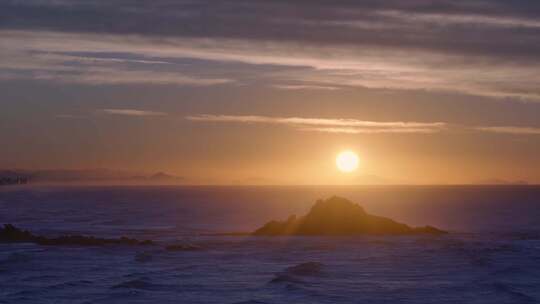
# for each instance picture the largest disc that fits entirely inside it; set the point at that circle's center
(347, 161)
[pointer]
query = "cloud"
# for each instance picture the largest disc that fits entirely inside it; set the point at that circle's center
(486, 48)
(450, 26)
(304, 87)
(48, 57)
(132, 112)
(511, 130)
(93, 59)
(311, 121)
(97, 76)
(330, 125)
(463, 19)
(355, 126)
(327, 125)
(113, 59)
(371, 130)
(68, 116)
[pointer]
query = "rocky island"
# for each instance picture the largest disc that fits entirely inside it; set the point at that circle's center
(339, 216)
(12, 234)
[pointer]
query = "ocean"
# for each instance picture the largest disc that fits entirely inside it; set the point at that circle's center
(491, 255)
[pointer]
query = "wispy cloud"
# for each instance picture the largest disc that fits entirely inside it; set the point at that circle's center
(408, 45)
(355, 126)
(304, 87)
(328, 125)
(296, 66)
(462, 19)
(131, 112)
(371, 130)
(510, 130)
(111, 76)
(51, 58)
(94, 59)
(312, 121)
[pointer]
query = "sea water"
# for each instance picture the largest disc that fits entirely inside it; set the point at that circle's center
(491, 255)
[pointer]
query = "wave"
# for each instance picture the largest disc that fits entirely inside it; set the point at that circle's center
(293, 274)
(69, 284)
(143, 257)
(478, 253)
(513, 292)
(135, 284)
(285, 278)
(305, 269)
(143, 284)
(15, 258)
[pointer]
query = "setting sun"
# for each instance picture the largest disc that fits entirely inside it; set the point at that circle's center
(304, 150)
(347, 161)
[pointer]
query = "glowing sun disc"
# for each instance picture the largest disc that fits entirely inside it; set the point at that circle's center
(347, 161)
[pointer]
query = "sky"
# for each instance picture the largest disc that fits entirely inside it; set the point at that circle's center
(268, 92)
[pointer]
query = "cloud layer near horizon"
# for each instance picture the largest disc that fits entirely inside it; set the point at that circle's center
(354, 126)
(132, 112)
(327, 125)
(487, 48)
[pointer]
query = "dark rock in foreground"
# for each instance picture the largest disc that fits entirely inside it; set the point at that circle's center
(12, 234)
(339, 216)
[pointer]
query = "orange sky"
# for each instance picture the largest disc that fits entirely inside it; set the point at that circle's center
(425, 93)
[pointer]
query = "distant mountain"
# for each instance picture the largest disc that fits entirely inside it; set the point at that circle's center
(89, 176)
(498, 181)
(161, 176)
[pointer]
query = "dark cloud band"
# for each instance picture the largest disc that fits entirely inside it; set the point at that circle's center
(501, 29)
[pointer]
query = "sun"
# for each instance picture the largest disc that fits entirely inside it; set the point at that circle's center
(347, 161)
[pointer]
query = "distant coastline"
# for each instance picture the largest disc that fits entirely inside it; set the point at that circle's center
(82, 176)
(99, 176)
(7, 181)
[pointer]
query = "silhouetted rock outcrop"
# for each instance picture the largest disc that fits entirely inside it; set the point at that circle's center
(339, 216)
(12, 234)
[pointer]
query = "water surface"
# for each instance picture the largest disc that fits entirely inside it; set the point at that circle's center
(491, 256)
